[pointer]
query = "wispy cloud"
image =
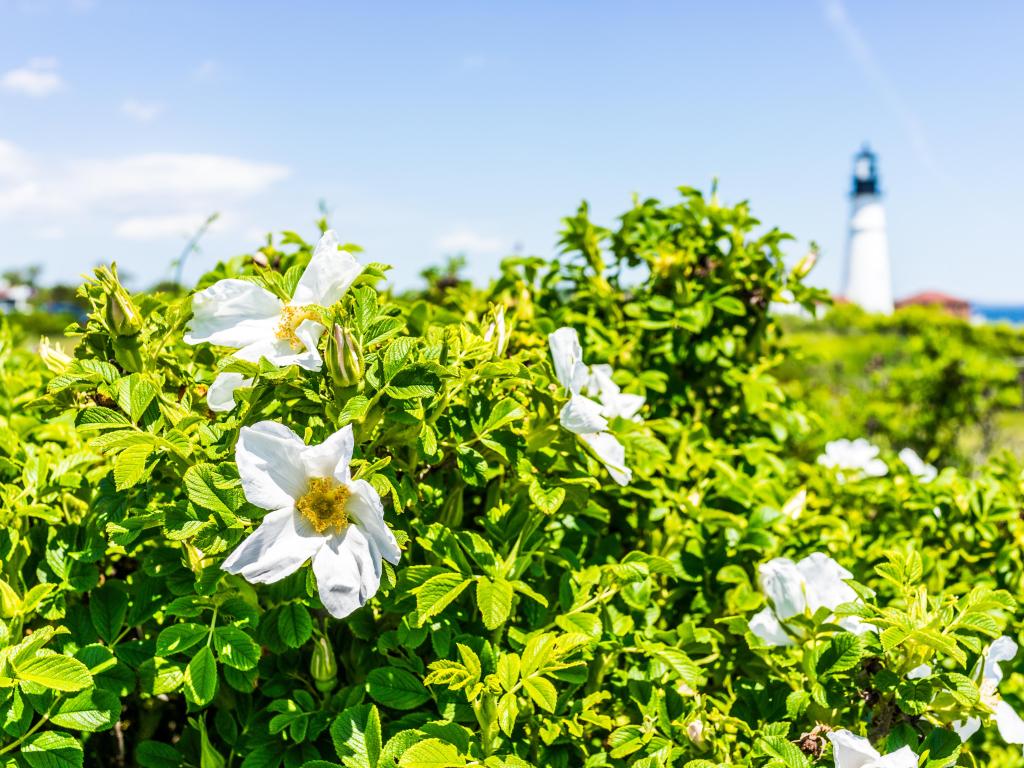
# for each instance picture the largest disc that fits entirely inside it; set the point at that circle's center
(141, 111)
(38, 78)
(468, 241)
(861, 52)
(161, 227)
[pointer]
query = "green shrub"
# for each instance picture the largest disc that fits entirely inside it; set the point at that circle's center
(594, 543)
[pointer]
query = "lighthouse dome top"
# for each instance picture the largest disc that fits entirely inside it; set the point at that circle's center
(865, 172)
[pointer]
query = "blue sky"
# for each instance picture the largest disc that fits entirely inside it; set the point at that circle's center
(432, 128)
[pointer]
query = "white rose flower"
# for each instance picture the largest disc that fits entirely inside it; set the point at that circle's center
(255, 323)
(317, 512)
(614, 402)
(988, 675)
(851, 751)
(581, 415)
(917, 466)
(795, 589)
(854, 456)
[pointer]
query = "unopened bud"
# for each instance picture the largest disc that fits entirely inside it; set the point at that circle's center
(123, 317)
(806, 264)
(344, 357)
(695, 730)
(54, 358)
(323, 666)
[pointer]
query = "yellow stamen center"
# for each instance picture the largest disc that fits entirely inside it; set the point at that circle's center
(324, 504)
(291, 318)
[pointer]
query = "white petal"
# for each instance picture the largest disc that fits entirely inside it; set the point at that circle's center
(582, 416)
(269, 458)
(966, 728)
(1002, 649)
(903, 757)
(824, 582)
(611, 453)
(567, 356)
(282, 354)
(856, 625)
(232, 313)
(328, 275)
(1010, 726)
(876, 468)
(624, 405)
(599, 382)
(276, 549)
(783, 585)
(917, 466)
(367, 510)
(851, 751)
(221, 394)
(347, 572)
(922, 670)
(331, 457)
(768, 629)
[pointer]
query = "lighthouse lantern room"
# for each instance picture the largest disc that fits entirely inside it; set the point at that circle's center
(868, 278)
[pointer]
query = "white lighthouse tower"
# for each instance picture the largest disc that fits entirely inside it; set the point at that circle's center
(868, 279)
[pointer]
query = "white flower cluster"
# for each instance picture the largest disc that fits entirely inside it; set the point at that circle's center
(800, 589)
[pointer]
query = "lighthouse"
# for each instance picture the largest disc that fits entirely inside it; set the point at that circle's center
(868, 278)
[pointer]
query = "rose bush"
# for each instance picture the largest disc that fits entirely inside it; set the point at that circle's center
(569, 519)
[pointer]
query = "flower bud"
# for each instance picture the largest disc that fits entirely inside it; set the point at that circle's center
(123, 317)
(54, 358)
(806, 264)
(344, 357)
(323, 666)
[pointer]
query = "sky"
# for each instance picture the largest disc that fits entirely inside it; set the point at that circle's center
(431, 129)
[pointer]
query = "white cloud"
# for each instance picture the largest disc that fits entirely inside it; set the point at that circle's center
(133, 184)
(467, 241)
(141, 111)
(161, 227)
(14, 163)
(38, 78)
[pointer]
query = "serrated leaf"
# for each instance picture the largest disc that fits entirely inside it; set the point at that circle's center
(130, 465)
(235, 648)
(395, 688)
(52, 749)
(434, 595)
(294, 625)
(93, 710)
(431, 753)
(494, 599)
(201, 677)
(542, 692)
(52, 670)
(179, 637)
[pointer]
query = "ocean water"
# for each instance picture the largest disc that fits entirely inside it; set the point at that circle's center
(995, 313)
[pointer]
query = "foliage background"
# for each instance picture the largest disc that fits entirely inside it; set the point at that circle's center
(541, 615)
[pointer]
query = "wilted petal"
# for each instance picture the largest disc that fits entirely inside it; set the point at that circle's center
(347, 569)
(767, 628)
(1009, 723)
(269, 458)
(282, 354)
(824, 582)
(276, 549)
(221, 394)
(582, 416)
(852, 751)
(366, 508)
(1002, 649)
(966, 728)
(233, 313)
(611, 453)
(567, 356)
(328, 275)
(783, 585)
(331, 457)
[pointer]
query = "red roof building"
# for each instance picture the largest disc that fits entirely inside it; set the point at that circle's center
(957, 307)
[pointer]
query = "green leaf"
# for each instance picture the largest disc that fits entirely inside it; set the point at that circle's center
(201, 677)
(92, 710)
(155, 754)
(202, 484)
(397, 354)
(435, 594)
(108, 606)
(914, 696)
(843, 653)
(356, 735)
(395, 688)
(494, 598)
(52, 749)
(546, 500)
(130, 465)
(235, 648)
(431, 753)
(294, 625)
(542, 692)
(180, 637)
(61, 673)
